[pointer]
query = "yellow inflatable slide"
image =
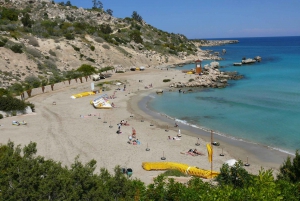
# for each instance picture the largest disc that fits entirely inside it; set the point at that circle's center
(184, 168)
(80, 95)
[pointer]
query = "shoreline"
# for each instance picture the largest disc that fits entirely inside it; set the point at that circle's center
(240, 149)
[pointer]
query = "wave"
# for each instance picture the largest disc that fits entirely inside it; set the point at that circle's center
(184, 122)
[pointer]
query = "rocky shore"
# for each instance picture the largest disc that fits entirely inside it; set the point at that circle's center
(211, 76)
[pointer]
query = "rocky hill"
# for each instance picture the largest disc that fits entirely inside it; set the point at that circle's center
(42, 38)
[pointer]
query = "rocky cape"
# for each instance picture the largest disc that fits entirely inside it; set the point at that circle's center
(211, 76)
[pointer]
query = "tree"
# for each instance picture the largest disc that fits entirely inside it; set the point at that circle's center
(26, 21)
(97, 4)
(86, 69)
(105, 28)
(109, 11)
(33, 81)
(62, 3)
(136, 36)
(136, 16)
(235, 175)
(290, 169)
(68, 3)
(10, 14)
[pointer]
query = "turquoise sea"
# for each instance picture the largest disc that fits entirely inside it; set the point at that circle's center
(262, 108)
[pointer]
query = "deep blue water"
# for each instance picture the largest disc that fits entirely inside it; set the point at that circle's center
(263, 108)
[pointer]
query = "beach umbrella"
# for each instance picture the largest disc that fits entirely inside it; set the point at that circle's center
(231, 162)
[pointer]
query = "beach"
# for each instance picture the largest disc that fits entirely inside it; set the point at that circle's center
(74, 128)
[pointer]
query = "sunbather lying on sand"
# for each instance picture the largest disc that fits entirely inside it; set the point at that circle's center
(195, 151)
(173, 138)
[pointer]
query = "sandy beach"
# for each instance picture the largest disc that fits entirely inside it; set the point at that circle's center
(73, 128)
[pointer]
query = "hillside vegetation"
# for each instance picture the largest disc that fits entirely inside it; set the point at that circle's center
(46, 39)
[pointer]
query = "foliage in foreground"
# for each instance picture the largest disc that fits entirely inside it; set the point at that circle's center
(27, 177)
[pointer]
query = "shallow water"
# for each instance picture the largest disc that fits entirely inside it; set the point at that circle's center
(263, 108)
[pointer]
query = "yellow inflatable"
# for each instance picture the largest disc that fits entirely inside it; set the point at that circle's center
(184, 168)
(190, 72)
(88, 93)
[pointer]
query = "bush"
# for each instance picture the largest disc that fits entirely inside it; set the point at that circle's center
(9, 103)
(76, 48)
(106, 46)
(175, 173)
(99, 40)
(191, 80)
(16, 48)
(51, 52)
(32, 41)
(90, 59)
(92, 48)
(1, 116)
(31, 105)
(166, 80)
(14, 113)
(51, 65)
(69, 36)
(33, 81)
(33, 52)
(3, 42)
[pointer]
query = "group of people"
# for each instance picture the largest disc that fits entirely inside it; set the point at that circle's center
(133, 141)
(132, 138)
(122, 123)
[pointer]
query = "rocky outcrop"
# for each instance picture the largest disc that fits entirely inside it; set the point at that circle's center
(211, 77)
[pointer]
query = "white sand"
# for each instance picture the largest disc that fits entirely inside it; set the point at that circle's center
(62, 135)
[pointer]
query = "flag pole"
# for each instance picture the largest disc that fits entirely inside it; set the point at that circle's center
(211, 164)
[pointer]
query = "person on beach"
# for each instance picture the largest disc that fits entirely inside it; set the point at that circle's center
(195, 151)
(176, 125)
(129, 139)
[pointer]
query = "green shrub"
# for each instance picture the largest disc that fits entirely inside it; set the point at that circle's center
(33, 81)
(69, 36)
(31, 105)
(32, 41)
(175, 173)
(51, 52)
(106, 46)
(191, 80)
(16, 48)
(14, 113)
(76, 48)
(50, 64)
(99, 40)
(10, 103)
(92, 48)
(33, 52)
(3, 41)
(90, 59)
(1, 116)
(166, 80)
